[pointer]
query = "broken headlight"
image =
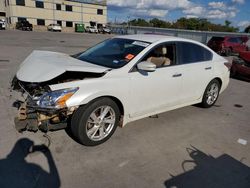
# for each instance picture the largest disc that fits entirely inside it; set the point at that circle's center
(56, 99)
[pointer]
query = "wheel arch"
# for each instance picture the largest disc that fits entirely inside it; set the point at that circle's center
(115, 99)
(215, 78)
(118, 102)
(218, 79)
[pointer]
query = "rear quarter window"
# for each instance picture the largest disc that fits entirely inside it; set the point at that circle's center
(192, 53)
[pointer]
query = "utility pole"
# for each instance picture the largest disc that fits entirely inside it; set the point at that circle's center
(81, 13)
(53, 9)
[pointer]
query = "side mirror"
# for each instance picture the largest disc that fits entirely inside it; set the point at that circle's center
(146, 66)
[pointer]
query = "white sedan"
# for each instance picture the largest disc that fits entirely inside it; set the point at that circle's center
(91, 30)
(118, 81)
(54, 27)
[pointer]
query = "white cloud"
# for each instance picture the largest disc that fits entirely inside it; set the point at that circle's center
(127, 3)
(217, 5)
(219, 14)
(151, 13)
(244, 23)
(158, 13)
(160, 8)
(198, 10)
(214, 10)
(238, 1)
(144, 4)
(150, 8)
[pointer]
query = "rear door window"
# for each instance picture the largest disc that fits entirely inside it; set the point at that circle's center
(192, 53)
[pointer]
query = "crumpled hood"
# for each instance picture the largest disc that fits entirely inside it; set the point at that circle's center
(41, 66)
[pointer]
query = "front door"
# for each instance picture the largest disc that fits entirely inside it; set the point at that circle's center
(152, 92)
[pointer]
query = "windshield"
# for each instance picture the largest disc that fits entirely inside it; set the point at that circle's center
(113, 53)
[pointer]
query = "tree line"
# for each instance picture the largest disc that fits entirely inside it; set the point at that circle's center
(184, 23)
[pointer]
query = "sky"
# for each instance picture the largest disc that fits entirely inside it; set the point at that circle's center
(236, 11)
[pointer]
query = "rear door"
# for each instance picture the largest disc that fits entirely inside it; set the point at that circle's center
(197, 70)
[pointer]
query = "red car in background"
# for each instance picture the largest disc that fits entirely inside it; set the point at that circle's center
(228, 45)
(241, 66)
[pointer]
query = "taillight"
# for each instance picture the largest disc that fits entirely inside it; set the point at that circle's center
(228, 65)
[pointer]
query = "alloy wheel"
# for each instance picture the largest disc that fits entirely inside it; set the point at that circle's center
(100, 123)
(212, 93)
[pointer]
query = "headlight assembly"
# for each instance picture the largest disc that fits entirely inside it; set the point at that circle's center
(56, 99)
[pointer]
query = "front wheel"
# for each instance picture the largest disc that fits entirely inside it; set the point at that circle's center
(211, 94)
(95, 123)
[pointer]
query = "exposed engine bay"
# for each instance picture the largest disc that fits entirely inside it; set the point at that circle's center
(32, 115)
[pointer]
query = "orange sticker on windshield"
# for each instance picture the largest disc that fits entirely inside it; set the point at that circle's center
(130, 56)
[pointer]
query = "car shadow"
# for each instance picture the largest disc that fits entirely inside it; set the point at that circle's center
(15, 171)
(209, 172)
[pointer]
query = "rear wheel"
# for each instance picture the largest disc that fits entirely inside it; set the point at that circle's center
(95, 123)
(211, 94)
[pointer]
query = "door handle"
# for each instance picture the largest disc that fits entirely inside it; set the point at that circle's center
(177, 75)
(208, 68)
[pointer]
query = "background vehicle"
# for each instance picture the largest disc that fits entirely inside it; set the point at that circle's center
(241, 66)
(2, 24)
(104, 30)
(54, 27)
(118, 81)
(24, 25)
(248, 45)
(228, 45)
(91, 29)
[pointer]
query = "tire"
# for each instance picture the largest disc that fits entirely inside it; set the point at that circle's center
(211, 94)
(88, 122)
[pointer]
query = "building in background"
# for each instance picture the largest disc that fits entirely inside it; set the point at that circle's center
(67, 13)
(2, 10)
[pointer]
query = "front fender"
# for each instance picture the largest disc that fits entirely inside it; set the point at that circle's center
(94, 88)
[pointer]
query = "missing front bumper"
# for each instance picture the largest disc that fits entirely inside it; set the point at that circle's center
(33, 126)
(30, 119)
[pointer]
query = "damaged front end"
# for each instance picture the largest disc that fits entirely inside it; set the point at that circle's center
(44, 109)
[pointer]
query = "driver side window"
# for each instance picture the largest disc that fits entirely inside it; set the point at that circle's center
(162, 55)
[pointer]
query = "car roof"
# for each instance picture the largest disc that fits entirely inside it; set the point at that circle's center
(151, 38)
